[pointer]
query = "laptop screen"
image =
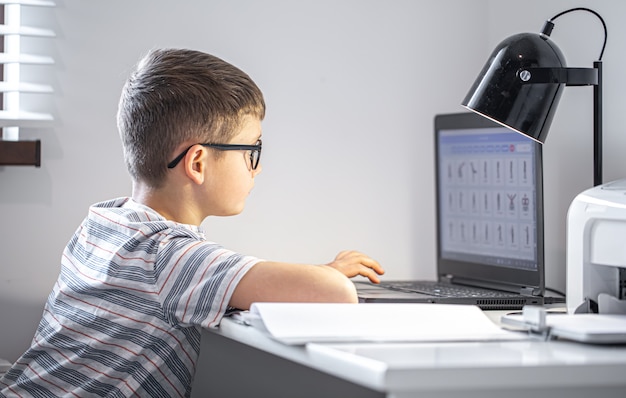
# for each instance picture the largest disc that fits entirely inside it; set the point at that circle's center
(489, 201)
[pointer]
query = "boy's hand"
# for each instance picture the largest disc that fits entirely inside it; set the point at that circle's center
(352, 263)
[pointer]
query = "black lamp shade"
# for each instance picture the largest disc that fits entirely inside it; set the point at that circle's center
(500, 94)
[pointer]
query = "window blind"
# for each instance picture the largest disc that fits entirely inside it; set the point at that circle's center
(14, 151)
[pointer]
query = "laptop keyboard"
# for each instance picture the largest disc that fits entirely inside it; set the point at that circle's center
(443, 289)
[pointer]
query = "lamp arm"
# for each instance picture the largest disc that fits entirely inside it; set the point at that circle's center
(567, 76)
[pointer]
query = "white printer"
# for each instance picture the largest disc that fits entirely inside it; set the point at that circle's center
(596, 250)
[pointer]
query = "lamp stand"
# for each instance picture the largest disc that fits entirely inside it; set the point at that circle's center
(597, 126)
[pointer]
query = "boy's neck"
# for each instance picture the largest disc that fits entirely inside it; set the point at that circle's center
(170, 204)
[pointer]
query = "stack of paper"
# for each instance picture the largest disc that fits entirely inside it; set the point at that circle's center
(301, 323)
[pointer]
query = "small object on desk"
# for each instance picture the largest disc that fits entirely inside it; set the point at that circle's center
(301, 323)
(535, 318)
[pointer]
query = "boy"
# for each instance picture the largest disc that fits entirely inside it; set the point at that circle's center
(138, 278)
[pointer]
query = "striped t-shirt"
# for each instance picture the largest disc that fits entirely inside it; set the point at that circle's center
(125, 316)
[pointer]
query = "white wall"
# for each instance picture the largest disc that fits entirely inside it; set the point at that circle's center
(351, 87)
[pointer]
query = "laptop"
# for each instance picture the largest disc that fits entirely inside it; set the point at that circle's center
(489, 210)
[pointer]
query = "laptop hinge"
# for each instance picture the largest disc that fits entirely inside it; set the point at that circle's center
(448, 278)
(528, 291)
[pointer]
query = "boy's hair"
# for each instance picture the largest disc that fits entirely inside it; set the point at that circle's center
(176, 96)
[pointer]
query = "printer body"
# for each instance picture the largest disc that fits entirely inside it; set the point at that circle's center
(596, 250)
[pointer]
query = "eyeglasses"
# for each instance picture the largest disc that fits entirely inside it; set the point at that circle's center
(255, 152)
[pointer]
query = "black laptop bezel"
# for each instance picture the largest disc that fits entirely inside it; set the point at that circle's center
(519, 281)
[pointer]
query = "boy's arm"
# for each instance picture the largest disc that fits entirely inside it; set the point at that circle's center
(284, 282)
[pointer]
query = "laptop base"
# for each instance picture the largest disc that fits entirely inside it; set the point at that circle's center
(369, 293)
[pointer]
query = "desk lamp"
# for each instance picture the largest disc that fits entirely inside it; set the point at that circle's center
(521, 84)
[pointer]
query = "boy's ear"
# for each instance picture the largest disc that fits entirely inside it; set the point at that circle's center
(195, 163)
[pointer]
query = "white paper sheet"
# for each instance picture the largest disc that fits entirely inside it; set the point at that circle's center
(300, 323)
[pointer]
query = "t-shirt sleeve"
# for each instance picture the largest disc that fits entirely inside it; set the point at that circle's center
(196, 280)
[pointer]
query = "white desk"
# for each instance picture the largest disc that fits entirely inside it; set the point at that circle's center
(240, 361)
